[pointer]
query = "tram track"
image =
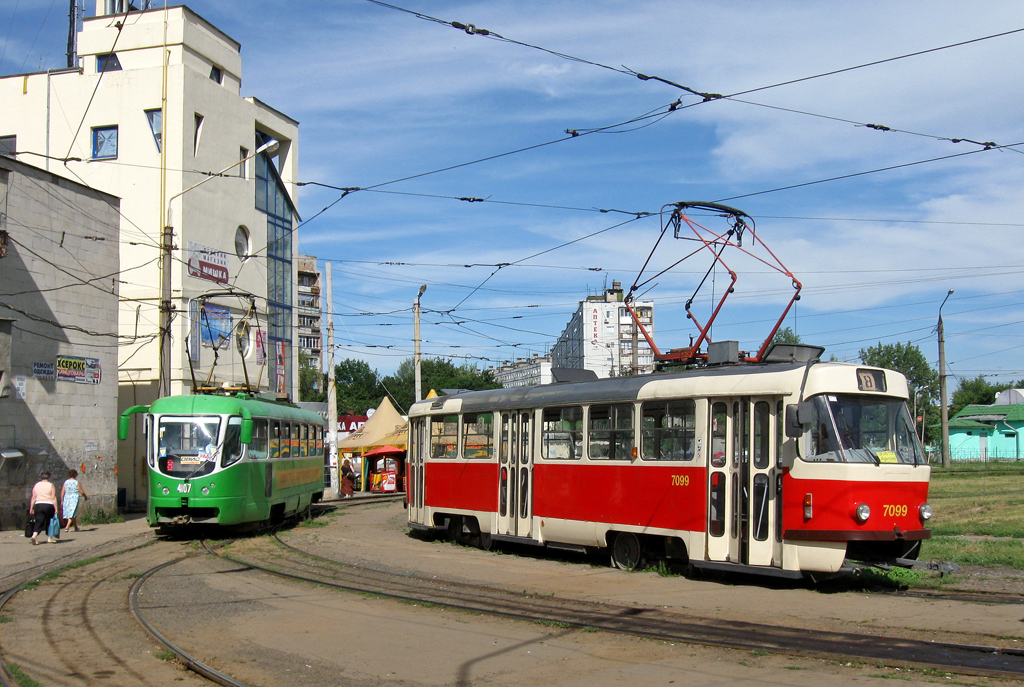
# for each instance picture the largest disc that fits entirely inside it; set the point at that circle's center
(965, 659)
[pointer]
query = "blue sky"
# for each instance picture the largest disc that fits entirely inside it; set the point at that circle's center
(383, 95)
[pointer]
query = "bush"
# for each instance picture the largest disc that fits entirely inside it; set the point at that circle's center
(100, 517)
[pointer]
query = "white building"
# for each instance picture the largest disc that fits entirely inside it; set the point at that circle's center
(308, 333)
(153, 114)
(524, 372)
(602, 336)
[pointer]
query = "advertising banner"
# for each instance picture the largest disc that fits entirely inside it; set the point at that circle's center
(206, 263)
(215, 325)
(78, 370)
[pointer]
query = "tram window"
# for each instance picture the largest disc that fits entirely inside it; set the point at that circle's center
(260, 434)
(778, 432)
(562, 433)
(444, 436)
(762, 435)
(295, 439)
(716, 502)
(503, 449)
(610, 431)
(286, 440)
(667, 428)
(304, 440)
(524, 438)
(319, 440)
(719, 433)
(232, 442)
(275, 439)
(760, 512)
(478, 435)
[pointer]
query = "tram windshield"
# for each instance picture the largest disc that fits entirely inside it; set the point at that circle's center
(862, 429)
(187, 446)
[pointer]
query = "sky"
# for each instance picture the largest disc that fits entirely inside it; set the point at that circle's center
(877, 222)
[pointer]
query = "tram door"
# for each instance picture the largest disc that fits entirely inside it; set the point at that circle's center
(417, 450)
(741, 475)
(515, 474)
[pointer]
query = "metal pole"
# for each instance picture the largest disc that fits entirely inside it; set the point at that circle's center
(416, 341)
(332, 393)
(942, 387)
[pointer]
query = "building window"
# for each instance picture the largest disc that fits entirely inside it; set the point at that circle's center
(155, 118)
(216, 75)
(107, 63)
(104, 142)
(197, 134)
(8, 145)
(242, 243)
(243, 166)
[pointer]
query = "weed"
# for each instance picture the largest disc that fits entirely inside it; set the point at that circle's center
(19, 675)
(100, 517)
(6, 619)
(552, 623)
(760, 652)
(166, 655)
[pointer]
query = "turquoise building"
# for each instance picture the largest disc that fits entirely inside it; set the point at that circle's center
(991, 432)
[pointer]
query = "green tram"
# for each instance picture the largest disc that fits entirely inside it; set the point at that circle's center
(229, 460)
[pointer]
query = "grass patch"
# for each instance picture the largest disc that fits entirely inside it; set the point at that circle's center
(20, 677)
(166, 655)
(100, 517)
(312, 523)
(552, 623)
(6, 619)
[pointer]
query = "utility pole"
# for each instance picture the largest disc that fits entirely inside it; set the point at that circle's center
(332, 392)
(416, 341)
(942, 387)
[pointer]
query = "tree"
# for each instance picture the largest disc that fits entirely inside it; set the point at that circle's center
(786, 335)
(437, 374)
(921, 378)
(978, 391)
(358, 387)
(312, 382)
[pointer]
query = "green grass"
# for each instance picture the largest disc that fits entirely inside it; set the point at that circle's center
(166, 655)
(978, 515)
(19, 675)
(100, 517)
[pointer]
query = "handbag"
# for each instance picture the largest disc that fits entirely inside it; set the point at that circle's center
(30, 526)
(53, 529)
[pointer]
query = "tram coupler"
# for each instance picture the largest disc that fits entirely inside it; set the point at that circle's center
(941, 567)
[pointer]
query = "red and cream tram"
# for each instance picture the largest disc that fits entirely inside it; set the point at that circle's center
(788, 467)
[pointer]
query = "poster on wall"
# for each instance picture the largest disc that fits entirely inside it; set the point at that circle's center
(44, 370)
(280, 350)
(78, 370)
(194, 331)
(261, 347)
(206, 263)
(216, 325)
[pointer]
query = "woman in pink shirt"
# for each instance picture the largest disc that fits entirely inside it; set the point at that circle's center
(43, 506)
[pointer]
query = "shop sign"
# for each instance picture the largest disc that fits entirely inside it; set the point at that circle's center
(44, 370)
(206, 263)
(78, 370)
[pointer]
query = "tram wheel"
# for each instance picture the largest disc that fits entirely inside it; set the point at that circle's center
(455, 528)
(626, 551)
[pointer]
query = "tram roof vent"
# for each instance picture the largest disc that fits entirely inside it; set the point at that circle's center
(793, 353)
(723, 353)
(572, 374)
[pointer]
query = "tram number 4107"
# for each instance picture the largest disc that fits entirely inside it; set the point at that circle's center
(680, 480)
(185, 488)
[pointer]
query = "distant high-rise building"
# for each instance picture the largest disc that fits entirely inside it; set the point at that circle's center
(524, 371)
(602, 336)
(308, 335)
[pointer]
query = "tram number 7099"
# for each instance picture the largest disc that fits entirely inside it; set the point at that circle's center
(680, 480)
(895, 511)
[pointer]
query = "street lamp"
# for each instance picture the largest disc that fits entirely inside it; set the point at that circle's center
(416, 341)
(942, 387)
(167, 248)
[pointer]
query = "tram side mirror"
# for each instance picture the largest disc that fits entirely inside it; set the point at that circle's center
(246, 434)
(798, 416)
(124, 423)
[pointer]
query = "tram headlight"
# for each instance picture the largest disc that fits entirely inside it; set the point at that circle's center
(926, 512)
(166, 491)
(206, 491)
(863, 513)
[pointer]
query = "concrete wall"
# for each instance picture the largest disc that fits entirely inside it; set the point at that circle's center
(59, 291)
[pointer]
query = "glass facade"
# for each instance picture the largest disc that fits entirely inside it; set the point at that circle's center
(272, 199)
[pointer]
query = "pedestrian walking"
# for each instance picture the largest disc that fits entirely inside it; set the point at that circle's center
(43, 505)
(70, 495)
(348, 479)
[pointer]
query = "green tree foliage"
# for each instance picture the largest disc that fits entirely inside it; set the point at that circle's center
(921, 378)
(358, 386)
(437, 374)
(785, 335)
(312, 382)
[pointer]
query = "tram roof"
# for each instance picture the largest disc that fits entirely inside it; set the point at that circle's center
(615, 389)
(216, 404)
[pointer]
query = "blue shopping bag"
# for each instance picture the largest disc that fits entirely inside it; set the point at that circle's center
(53, 529)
